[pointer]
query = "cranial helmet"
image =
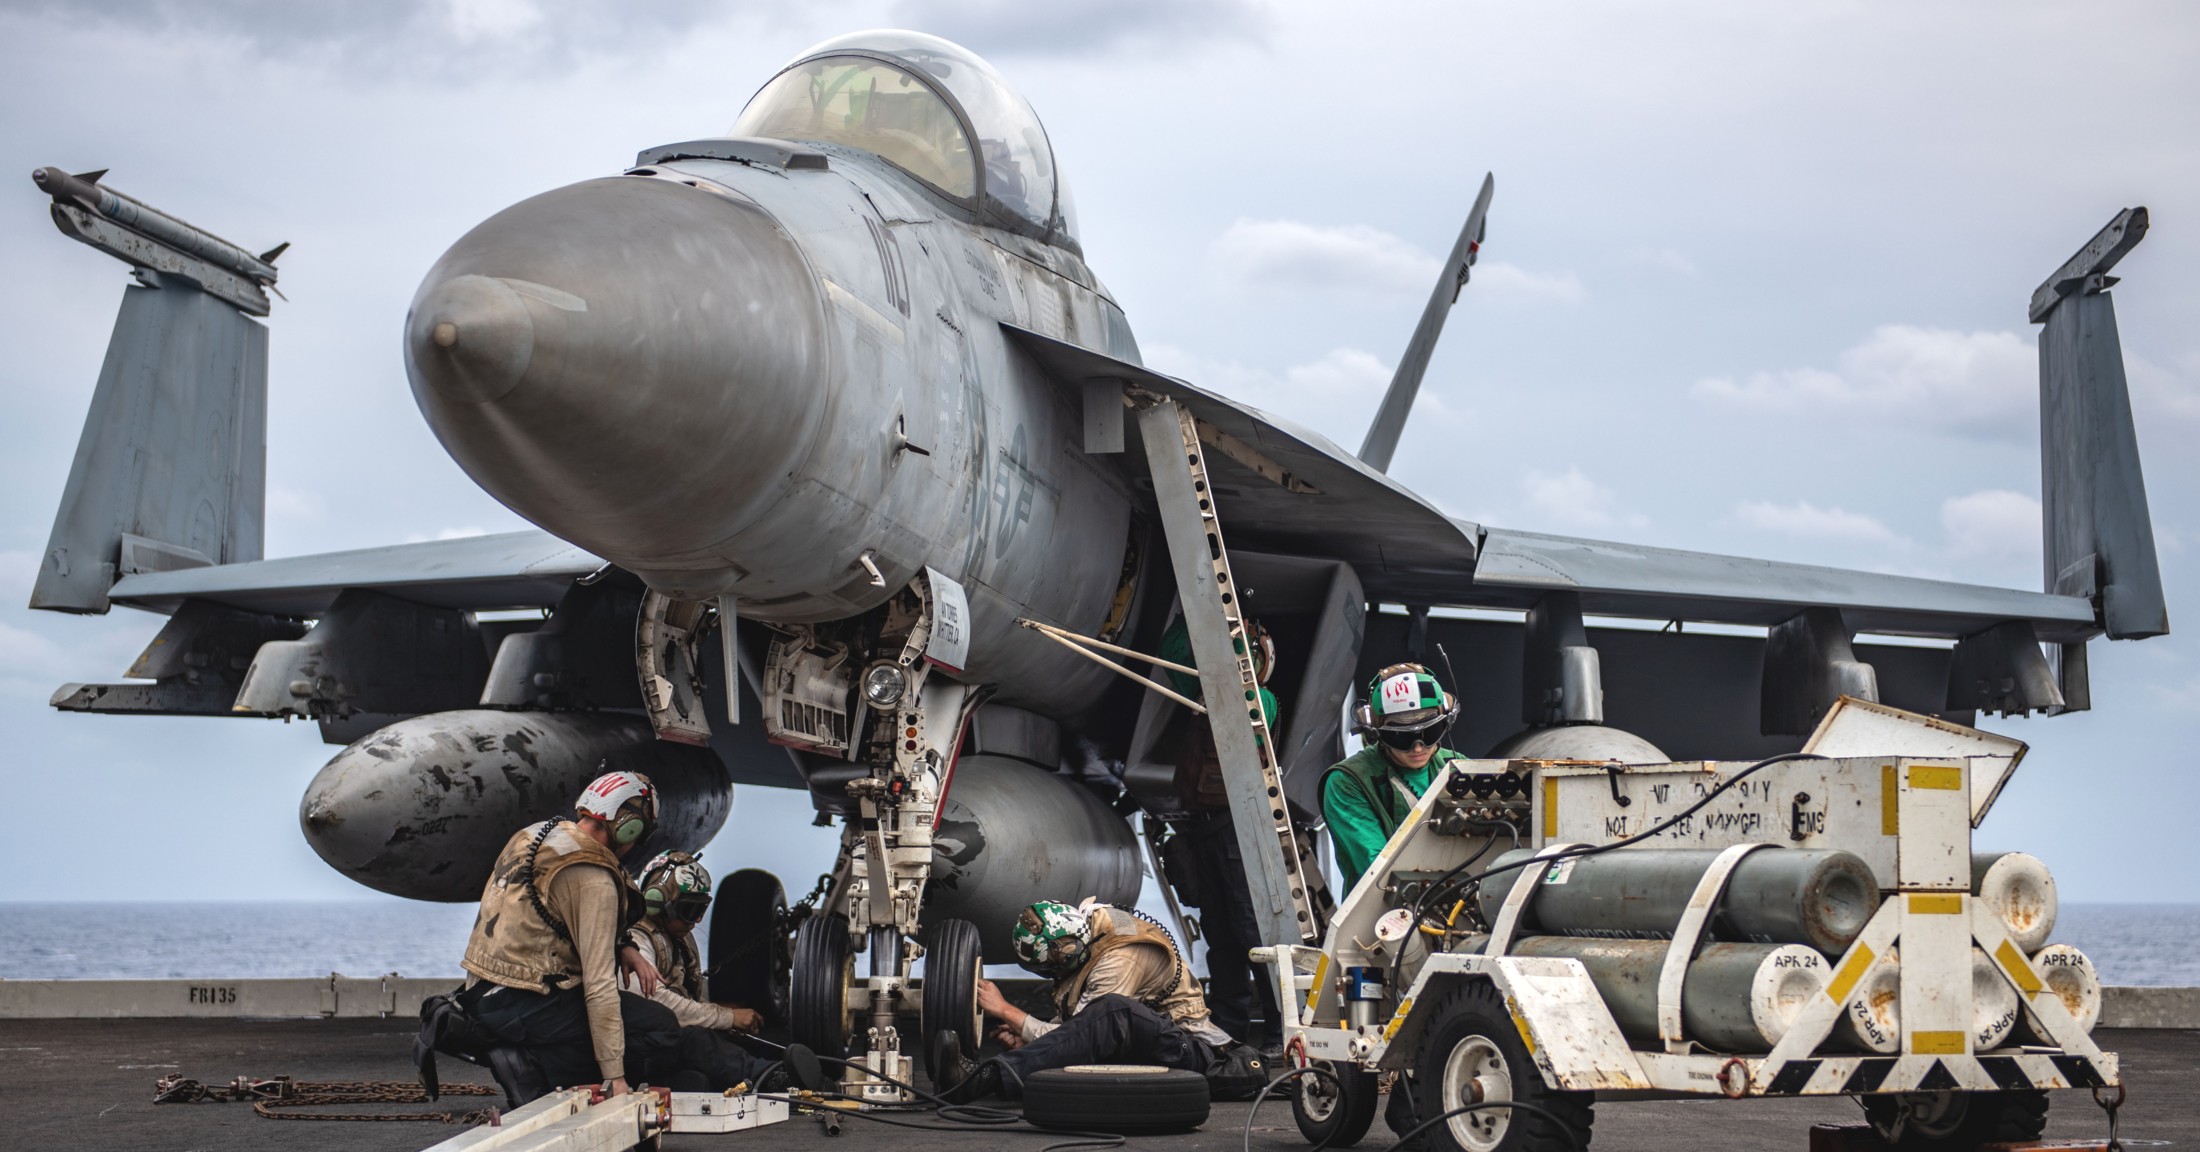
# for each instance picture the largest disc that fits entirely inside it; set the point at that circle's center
(1053, 938)
(1406, 706)
(624, 801)
(676, 883)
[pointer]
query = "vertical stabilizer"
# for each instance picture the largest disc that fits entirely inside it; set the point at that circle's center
(2099, 538)
(171, 470)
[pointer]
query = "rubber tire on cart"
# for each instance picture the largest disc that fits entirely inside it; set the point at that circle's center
(750, 953)
(1962, 1119)
(953, 962)
(1335, 1115)
(1120, 1099)
(1471, 1035)
(817, 996)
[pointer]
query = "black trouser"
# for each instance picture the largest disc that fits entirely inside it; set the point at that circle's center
(1110, 1030)
(1226, 913)
(553, 1029)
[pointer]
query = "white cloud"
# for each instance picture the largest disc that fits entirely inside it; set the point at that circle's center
(1510, 281)
(1084, 27)
(1994, 530)
(1973, 383)
(1808, 521)
(1334, 394)
(1570, 499)
(1291, 254)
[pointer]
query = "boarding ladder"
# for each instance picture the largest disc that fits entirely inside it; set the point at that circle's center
(1290, 896)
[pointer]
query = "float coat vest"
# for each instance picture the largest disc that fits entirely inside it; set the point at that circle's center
(677, 964)
(1175, 994)
(514, 942)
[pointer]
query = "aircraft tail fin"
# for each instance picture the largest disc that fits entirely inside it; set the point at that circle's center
(2099, 538)
(171, 470)
(1405, 383)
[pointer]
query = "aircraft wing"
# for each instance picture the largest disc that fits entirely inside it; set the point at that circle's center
(1406, 551)
(474, 573)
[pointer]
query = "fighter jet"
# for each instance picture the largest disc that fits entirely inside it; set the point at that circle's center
(849, 478)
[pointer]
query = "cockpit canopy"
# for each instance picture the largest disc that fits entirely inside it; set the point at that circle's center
(918, 102)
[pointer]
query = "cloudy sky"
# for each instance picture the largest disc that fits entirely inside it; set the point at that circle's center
(1754, 282)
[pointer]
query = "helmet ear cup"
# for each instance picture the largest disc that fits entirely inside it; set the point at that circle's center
(630, 829)
(654, 900)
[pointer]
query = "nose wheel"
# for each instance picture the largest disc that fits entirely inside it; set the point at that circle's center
(822, 978)
(953, 964)
(751, 947)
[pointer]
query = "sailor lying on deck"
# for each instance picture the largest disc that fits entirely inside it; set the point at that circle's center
(1125, 996)
(660, 957)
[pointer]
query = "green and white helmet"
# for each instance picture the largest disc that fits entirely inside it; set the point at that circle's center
(1405, 700)
(1053, 938)
(676, 883)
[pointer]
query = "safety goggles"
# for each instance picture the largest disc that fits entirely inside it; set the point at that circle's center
(1407, 739)
(691, 909)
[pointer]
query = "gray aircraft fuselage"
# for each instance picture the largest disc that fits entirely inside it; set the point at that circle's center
(746, 378)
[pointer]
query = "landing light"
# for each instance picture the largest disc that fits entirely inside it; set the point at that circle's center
(884, 684)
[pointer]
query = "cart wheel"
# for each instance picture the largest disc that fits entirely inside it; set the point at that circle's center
(1335, 1114)
(1957, 1119)
(1123, 1099)
(1473, 1051)
(818, 996)
(749, 947)
(953, 962)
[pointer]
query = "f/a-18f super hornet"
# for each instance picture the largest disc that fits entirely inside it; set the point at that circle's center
(844, 377)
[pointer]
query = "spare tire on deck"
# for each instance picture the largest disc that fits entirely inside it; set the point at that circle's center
(1122, 1099)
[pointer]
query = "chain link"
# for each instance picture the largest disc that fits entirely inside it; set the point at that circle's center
(282, 1092)
(2110, 1105)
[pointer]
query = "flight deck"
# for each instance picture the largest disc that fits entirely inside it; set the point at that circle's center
(89, 1084)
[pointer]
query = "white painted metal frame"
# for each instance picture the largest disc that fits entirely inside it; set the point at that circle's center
(1673, 974)
(1923, 806)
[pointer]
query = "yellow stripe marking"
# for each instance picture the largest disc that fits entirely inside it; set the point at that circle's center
(1937, 1043)
(1936, 904)
(1520, 1022)
(2013, 962)
(1550, 807)
(1852, 970)
(1398, 1021)
(1890, 808)
(1937, 777)
(1321, 969)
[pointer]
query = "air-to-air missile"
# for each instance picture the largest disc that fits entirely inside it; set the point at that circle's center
(149, 238)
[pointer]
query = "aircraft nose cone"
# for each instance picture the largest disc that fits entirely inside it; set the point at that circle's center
(635, 364)
(471, 338)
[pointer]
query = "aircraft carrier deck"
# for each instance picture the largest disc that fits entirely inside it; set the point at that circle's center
(79, 1083)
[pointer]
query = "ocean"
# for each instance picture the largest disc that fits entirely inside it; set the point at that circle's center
(2154, 944)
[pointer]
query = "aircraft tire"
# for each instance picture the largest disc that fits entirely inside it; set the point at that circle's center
(750, 949)
(1120, 1099)
(818, 992)
(954, 961)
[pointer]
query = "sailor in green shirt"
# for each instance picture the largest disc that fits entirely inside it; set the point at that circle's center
(1365, 796)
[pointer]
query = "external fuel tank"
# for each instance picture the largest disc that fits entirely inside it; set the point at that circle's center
(1012, 834)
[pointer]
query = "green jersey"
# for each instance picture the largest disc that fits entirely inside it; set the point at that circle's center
(1363, 807)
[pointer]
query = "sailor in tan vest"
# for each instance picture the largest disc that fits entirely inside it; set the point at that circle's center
(1123, 994)
(675, 896)
(543, 959)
